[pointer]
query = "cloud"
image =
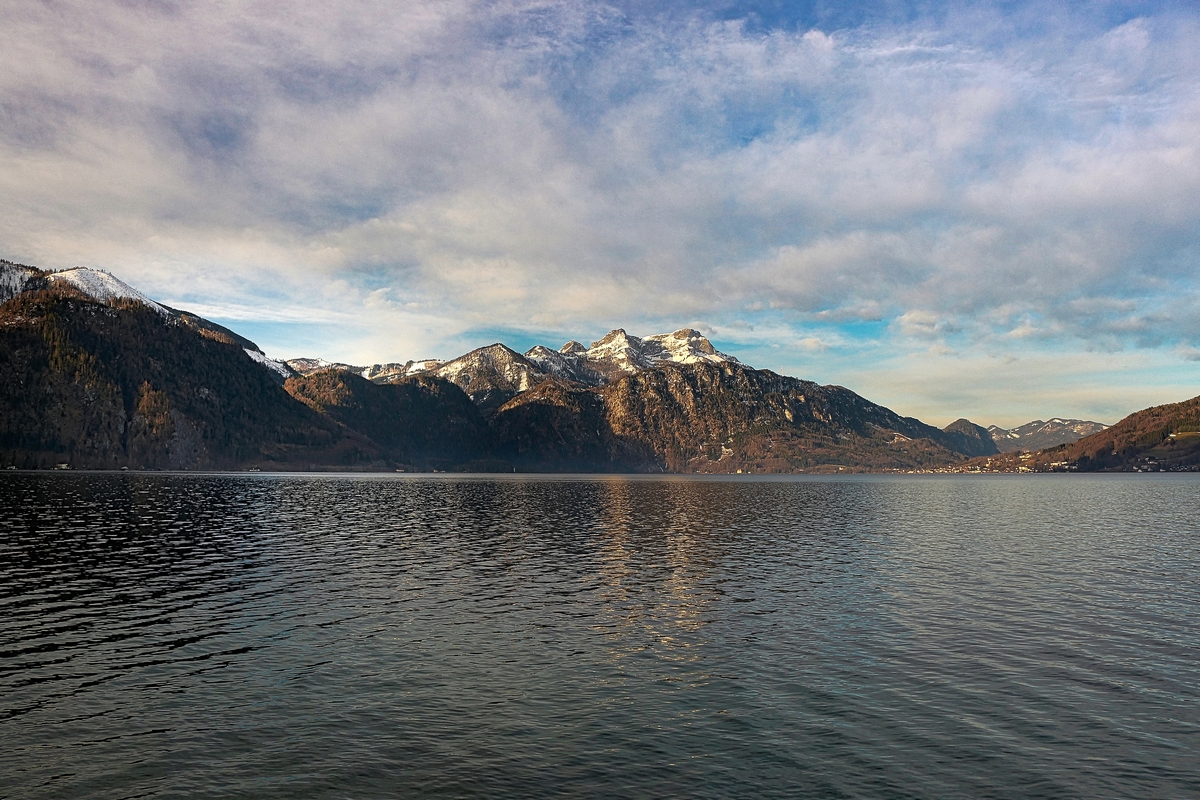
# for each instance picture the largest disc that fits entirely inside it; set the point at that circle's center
(966, 178)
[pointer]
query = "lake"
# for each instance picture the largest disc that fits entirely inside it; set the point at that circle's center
(330, 636)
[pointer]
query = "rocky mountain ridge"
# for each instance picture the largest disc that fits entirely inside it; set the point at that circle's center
(495, 373)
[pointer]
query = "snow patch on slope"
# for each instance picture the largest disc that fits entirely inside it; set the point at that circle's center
(394, 371)
(103, 286)
(566, 364)
(13, 279)
(268, 362)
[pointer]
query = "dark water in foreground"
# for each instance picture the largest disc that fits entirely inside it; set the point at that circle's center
(277, 636)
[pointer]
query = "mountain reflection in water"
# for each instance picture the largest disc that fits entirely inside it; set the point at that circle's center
(450, 636)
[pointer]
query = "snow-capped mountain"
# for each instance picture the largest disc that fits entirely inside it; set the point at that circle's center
(394, 371)
(307, 366)
(568, 363)
(97, 284)
(104, 287)
(619, 354)
(493, 374)
(1040, 434)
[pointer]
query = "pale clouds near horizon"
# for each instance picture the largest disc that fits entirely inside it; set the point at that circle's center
(884, 200)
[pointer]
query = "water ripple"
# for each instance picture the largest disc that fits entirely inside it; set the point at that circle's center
(333, 636)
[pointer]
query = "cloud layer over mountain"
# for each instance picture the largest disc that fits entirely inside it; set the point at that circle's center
(408, 178)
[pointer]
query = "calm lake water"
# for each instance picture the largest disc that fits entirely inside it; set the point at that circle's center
(333, 636)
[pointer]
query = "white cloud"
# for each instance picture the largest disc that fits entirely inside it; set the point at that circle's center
(429, 169)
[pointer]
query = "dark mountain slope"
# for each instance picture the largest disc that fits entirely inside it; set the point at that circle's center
(764, 418)
(1167, 437)
(105, 385)
(559, 425)
(422, 421)
(970, 439)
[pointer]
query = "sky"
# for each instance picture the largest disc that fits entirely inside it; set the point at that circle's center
(982, 210)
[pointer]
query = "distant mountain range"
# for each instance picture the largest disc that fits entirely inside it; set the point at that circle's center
(1159, 439)
(1038, 435)
(493, 375)
(96, 374)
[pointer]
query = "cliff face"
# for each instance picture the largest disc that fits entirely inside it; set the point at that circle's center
(707, 417)
(108, 385)
(559, 426)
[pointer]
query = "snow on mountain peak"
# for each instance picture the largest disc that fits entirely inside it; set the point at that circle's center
(494, 360)
(687, 346)
(389, 373)
(103, 286)
(614, 339)
(620, 352)
(504, 370)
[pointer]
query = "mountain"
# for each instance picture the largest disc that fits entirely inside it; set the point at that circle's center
(1039, 434)
(422, 421)
(394, 371)
(105, 288)
(307, 366)
(618, 354)
(567, 363)
(491, 375)
(377, 373)
(1161, 438)
(494, 374)
(115, 383)
(711, 416)
(971, 439)
(497, 370)
(96, 374)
